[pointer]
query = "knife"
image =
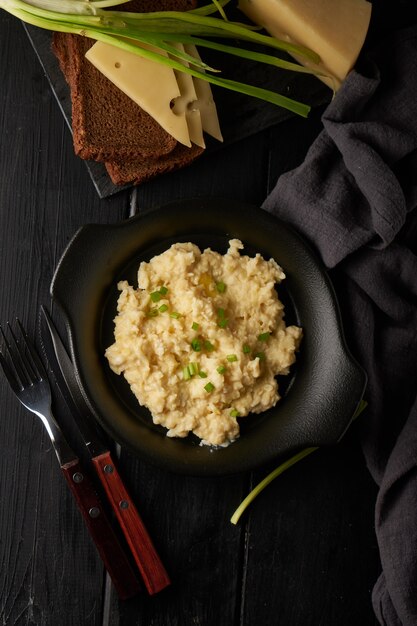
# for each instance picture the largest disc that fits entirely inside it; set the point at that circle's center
(143, 550)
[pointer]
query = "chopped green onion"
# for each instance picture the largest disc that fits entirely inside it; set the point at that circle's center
(192, 368)
(152, 312)
(186, 373)
(246, 348)
(202, 374)
(264, 336)
(234, 413)
(195, 326)
(260, 356)
(163, 290)
(209, 387)
(208, 346)
(163, 308)
(155, 296)
(221, 287)
(231, 358)
(221, 369)
(220, 312)
(175, 315)
(222, 322)
(196, 345)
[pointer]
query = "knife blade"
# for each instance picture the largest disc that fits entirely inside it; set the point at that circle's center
(152, 570)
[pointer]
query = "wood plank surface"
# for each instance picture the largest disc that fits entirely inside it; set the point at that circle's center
(305, 553)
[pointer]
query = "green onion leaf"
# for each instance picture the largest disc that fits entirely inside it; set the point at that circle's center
(163, 290)
(186, 373)
(196, 345)
(195, 326)
(202, 374)
(220, 312)
(222, 322)
(155, 296)
(153, 312)
(221, 369)
(192, 368)
(208, 346)
(126, 30)
(264, 336)
(260, 356)
(209, 387)
(231, 358)
(234, 413)
(163, 308)
(175, 315)
(221, 287)
(246, 348)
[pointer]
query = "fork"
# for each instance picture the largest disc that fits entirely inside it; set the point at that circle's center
(28, 379)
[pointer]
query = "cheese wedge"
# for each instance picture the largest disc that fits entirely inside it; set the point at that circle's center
(151, 85)
(185, 104)
(334, 29)
(205, 101)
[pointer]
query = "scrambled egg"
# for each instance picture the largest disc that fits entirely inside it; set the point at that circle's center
(202, 339)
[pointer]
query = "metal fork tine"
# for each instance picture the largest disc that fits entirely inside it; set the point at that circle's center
(35, 362)
(14, 381)
(18, 358)
(12, 372)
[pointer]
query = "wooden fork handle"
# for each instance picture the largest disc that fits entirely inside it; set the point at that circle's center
(150, 565)
(101, 531)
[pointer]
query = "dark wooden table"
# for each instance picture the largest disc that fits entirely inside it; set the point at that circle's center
(305, 553)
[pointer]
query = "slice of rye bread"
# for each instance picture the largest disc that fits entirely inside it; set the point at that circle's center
(140, 170)
(107, 125)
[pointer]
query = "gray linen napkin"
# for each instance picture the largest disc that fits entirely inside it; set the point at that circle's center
(354, 197)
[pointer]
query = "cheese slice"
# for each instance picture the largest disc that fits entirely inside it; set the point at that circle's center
(151, 85)
(334, 29)
(205, 101)
(185, 104)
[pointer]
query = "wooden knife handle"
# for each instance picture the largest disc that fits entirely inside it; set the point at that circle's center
(150, 566)
(101, 531)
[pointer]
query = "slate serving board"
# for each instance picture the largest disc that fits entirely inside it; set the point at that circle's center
(240, 116)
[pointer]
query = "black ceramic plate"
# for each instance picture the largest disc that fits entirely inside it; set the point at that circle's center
(320, 396)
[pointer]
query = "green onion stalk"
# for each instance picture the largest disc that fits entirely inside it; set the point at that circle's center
(152, 35)
(283, 467)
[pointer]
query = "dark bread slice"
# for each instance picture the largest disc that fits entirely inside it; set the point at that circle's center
(133, 169)
(140, 170)
(106, 123)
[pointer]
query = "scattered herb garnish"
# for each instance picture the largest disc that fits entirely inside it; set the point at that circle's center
(246, 348)
(264, 336)
(221, 369)
(260, 356)
(209, 387)
(163, 308)
(231, 358)
(175, 315)
(221, 287)
(202, 374)
(195, 326)
(234, 413)
(196, 345)
(208, 346)
(156, 296)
